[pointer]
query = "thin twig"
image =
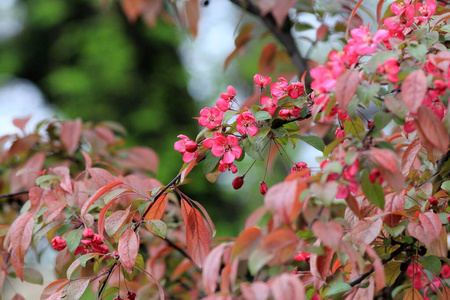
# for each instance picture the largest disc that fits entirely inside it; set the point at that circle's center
(13, 194)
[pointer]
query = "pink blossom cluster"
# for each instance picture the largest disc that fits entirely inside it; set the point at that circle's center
(427, 282)
(348, 174)
(92, 243)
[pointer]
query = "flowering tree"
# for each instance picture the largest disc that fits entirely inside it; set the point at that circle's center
(377, 207)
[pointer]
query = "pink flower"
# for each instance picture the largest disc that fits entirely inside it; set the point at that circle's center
(246, 123)
(223, 167)
(279, 88)
(227, 146)
(404, 17)
(390, 68)
(210, 117)
(302, 256)
(262, 81)
(375, 175)
(58, 243)
(88, 233)
(339, 132)
(301, 166)
(364, 42)
(270, 105)
(295, 90)
(223, 103)
(427, 9)
(288, 113)
(445, 271)
(324, 79)
(409, 126)
(186, 147)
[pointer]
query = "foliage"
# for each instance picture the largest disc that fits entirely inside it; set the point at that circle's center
(372, 221)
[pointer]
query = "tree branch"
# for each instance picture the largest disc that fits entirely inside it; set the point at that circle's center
(384, 261)
(282, 34)
(13, 194)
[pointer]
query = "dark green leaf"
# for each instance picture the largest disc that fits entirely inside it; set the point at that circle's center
(210, 162)
(354, 127)
(432, 264)
(312, 140)
(262, 115)
(373, 191)
(380, 120)
(338, 288)
(73, 239)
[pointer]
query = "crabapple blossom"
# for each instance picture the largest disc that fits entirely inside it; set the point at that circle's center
(295, 90)
(59, 243)
(427, 9)
(363, 42)
(210, 117)
(390, 68)
(269, 104)
(227, 146)
(223, 103)
(227, 167)
(246, 123)
(279, 88)
(302, 256)
(300, 166)
(186, 147)
(261, 80)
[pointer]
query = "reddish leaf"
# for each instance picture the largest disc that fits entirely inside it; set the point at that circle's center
(282, 243)
(21, 233)
(139, 158)
(160, 289)
(380, 280)
(330, 233)
(115, 221)
(17, 265)
(266, 60)
(18, 297)
(241, 40)
(414, 88)
(417, 230)
(255, 216)
(353, 205)
(30, 171)
(410, 155)
(35, 195)
(365, 231)
(88, 160)
(53, 288)
(246, 240)
(70, 135)
(97, 195)
(282, 199)
(105, 134)
(388, 164)
(321, 32)
(151, 10)
(158, 209)
(431, 129)
(351, 18)
(287, 286)
(207, 217)
(101, 177)
(346, 86)
(393, 203)
(197, 234)
(320, 265)
(128, 249)
(210, 273)
(281, 10)
(21, 122)
(131, 9)
(102, 214)
(439, 246)
(258, 290)
(76, 288)
(182, 267)
(431, 223)
(379, 12)
(412, 294)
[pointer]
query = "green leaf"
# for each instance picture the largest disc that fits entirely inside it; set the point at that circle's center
(338, 288)
(446, 28)
(330, 147)
(111, 291)
(73, 239)
(354, 127)
(380, 120)
(228, 115)
(379, 58)
(113, 194)
(159, 227)
(32, 276)
(446, 184)
(417, 51)
(302, 26)
(429, 39)
(311, 140)
(45, 180)
(251, 150)
(432, 264)
(262, 115)
(85, 258)
(257, 260)
(397, 230)
(391, 271)
(258, 139)
(210, 163)
(373, 191)
(366, 92)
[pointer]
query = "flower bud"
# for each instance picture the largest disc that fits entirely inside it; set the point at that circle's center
(433, 201)
(88, 233)
(238, 182)
(409, 126)
(370, 124)
(263, 188)
(191, 146)
(58, 243)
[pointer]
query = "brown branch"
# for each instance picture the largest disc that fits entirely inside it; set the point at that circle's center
(284, 122)
(13, 194)
(283, 34)
(399, 250)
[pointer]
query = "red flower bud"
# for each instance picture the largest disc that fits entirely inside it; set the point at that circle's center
(131, 295)
(433, 201)
(58, 243)
(263, 188)
(238, 182)
(409, 126)
(88, 233)
(191, 146)
(369, 124)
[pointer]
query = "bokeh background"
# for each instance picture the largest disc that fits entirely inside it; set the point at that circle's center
(81, 58)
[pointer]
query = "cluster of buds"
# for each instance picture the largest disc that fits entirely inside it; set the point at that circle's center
(92, 243)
